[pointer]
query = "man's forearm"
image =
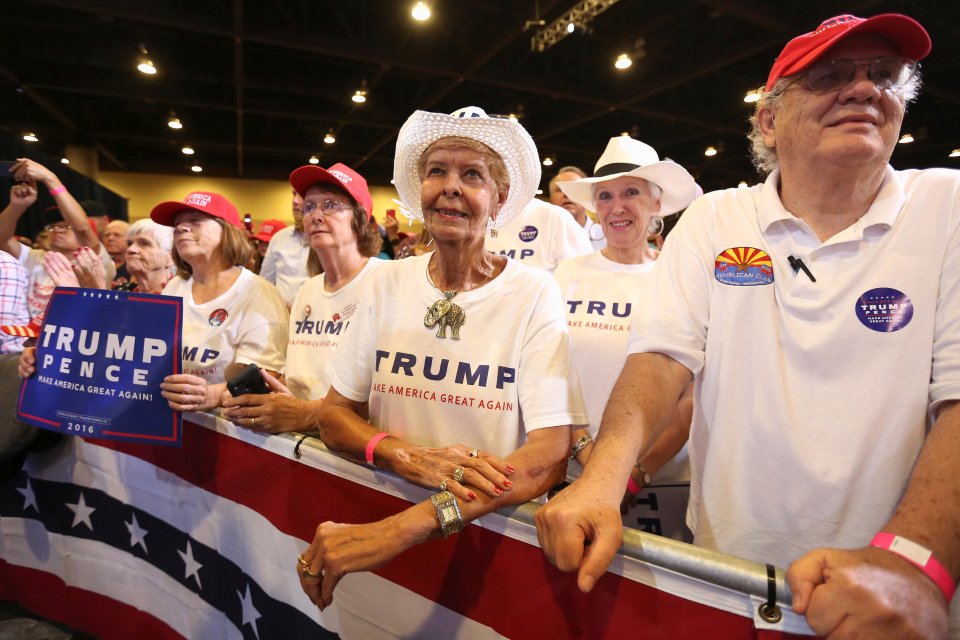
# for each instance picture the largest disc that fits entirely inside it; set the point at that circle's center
(929, 513)
(640, 406)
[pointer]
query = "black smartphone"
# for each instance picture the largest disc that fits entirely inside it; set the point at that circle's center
(247, 381)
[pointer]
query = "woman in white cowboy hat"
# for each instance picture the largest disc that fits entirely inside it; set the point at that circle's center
(630, 190)
(456, 345)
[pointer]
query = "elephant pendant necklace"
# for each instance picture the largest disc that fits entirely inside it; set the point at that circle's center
(444, 313)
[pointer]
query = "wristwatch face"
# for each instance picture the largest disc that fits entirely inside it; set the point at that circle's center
(448, 512)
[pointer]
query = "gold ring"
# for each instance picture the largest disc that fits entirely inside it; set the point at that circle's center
(443, 486)
(302, 562)
(458, 474)
(475, 453)
(253, 421)
(306, 573)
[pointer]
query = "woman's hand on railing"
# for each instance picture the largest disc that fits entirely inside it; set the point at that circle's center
(429, 467)
(276, 412)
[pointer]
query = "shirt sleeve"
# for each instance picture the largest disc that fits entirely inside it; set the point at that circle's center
(574, 238)
(680, 284)
(945, 375)
(350, 372)
(263, 339)
(13, 302)
(548, 387)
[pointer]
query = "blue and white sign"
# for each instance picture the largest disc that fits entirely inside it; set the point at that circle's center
(100, 359)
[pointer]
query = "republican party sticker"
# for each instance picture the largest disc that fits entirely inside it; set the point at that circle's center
(529, 233)
(884, 310)
(743, 267)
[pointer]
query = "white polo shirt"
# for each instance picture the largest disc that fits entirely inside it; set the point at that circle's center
(540, 236)
(812, 398)
(285, 265)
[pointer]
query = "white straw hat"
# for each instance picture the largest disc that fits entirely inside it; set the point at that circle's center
(505, 136)
(625, 156)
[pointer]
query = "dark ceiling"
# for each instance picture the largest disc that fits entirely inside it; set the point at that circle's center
(257, 83)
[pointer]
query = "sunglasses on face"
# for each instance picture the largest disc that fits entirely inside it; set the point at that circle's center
(831, 75)
(57, 228)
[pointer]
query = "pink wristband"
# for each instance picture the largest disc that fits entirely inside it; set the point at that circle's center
(632, 486)
(372, 444)
(919, 556)
(58, 190)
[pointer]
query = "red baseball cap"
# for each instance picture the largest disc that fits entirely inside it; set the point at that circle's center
(340, 175)
(207, 202)
(268, 228)
(909, 38)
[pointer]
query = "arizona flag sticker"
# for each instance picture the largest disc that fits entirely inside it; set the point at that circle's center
(744, 267)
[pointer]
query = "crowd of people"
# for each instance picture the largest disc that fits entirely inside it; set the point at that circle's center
(792, 352)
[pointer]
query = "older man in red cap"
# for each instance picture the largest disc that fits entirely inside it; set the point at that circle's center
(820, 314)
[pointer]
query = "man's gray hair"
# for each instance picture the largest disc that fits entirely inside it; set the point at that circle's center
(161, 234)
(764, 158)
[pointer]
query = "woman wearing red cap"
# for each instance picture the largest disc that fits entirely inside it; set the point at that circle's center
(343, 239)
(230, 315)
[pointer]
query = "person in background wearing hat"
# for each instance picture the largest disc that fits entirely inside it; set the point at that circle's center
(541, 235)
(343, 239)
(579, 212)
(268, 229)
(230, 315)
(604, 289)
(819, 312)
(481, 339)
(67, 224)
(114, 238)
(285, 263)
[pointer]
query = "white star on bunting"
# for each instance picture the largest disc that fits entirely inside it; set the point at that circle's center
(29, 498)
(192, 566)
(137, 534)
(250, 615)
(81, 513)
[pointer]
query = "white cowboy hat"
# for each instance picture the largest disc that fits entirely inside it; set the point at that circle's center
(505, 136)
(625, 156)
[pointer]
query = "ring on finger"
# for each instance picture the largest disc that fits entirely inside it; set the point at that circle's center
(458, 474)
(306, 573)
(443, 486)
(474, 453)
(302, 562)
(253, 421)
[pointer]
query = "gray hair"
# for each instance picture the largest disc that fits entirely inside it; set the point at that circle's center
(161, 234)
(764, 158)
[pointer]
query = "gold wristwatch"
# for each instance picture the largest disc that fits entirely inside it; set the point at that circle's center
(448, 513)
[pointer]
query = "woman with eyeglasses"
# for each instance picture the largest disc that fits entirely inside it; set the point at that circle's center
(231, 316)
(343, 238)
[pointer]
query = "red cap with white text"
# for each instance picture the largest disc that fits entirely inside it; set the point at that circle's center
(207, 202)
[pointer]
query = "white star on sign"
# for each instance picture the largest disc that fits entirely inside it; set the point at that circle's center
(137, 534)
(29, 499)
(250, 615)
(192, 566)
(81, 513)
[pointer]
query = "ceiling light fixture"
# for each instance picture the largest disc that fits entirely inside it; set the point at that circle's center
(548, 161)
(360, 95)
(31, 137)
(955, 153)
(624, 61)
(906, 138)
(174, 121)
(144, 63)
(420, 12)
(187, 151)
(329, 138)
(710, 152)
(752, 96)
(314, 160)
(577, 19)
(196, 168)
(64, 160)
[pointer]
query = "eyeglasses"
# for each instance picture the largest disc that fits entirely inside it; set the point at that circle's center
(885, 73)
(327, 207)
(57, 228)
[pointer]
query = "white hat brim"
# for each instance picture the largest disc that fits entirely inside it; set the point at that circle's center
(506, 137)
(677, 187)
